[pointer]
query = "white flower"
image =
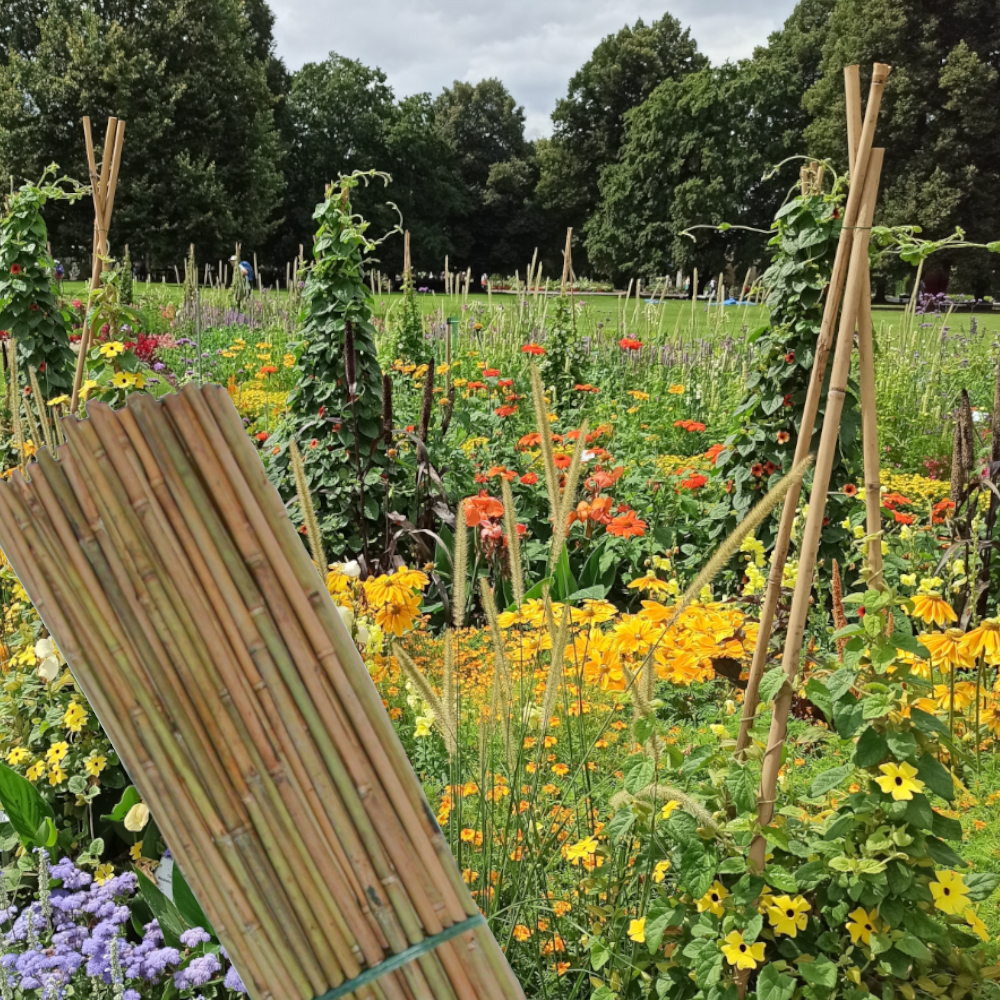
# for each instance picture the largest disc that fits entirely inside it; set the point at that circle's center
(350, 568)
(346, 616)
(50, 660)
(362, 634)
(587, 456)
(137, 818)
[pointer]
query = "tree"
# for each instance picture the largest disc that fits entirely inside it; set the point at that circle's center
(589, 123)
(485, 127)
(696, 153)
(938, 118)
(201, 162)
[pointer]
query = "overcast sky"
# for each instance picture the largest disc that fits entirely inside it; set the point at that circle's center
(534, 46)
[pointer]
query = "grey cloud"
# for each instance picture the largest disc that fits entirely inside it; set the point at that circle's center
(534, 46)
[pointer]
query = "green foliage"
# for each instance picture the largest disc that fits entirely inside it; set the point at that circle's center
(410, 342)
(201, 161)
(765, 424)
(29, 311)
(562, 366)
(937, 123)
(337, 400)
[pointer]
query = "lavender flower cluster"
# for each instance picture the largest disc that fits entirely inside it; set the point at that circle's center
(78, 934)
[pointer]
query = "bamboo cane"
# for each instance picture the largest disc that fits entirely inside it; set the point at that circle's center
(811, 406)
(866, 363)
(817, 504)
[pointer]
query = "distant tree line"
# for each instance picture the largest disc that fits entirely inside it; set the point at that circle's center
(225, 145)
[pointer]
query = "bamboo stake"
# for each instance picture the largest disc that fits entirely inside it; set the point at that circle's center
(866, 363)
(817, 503)
(811, 406)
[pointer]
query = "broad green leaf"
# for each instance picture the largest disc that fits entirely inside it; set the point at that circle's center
(936, 777)
(774, 985)
(829, 780)
(872, 748)
(171, 922)
(820, 972)
(26, 809)
(188, 906)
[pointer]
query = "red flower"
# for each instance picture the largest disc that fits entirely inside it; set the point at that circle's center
(586, 388)
(481, 509)
(529, 478)
(714, 452)
(630, 344)
(77, 304)
(942, 511)
(757, 470)
(269, 370)
(477, 385)
(783, 437)
(563, 461)
(322, 410)
(15, 268)
(694, 482)
(314, 443)
(262, 436)
(691, 426)
(902, 518)
(529, 441)
(627, 526)
(790, 357)
(788, 400)
(506, 411)
(506, 383)
(729, 486)
(770, 468)
(535, 349)
(491, 373)
(850, 490)
(502, 472)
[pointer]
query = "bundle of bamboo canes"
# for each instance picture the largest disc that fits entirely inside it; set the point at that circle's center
(164, 565)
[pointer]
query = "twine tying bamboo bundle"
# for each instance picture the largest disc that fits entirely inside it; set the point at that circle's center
(164, 565)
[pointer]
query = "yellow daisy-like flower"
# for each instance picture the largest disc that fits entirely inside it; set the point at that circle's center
(984, 641)
(58, 400)
(676, 390)
(650, 582)
(593, 612)
(740, 954)
(932, 607)
(288, 360)
(121, 380)
(35, 771)
(714, 901)
(575, 853)
(104, 873)
(397, 616)
(899, 781)
(951, 895)
(112, 349)
(75, 717)
(787, 915)
(56, 775)
(668, 809)
(94, 764)
(57, 752)
(135, 852)
(637, 930)
(660, 871)
(862, 925)
(978, 927)
(18, 755)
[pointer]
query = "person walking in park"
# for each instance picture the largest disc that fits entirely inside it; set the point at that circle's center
(245, 268)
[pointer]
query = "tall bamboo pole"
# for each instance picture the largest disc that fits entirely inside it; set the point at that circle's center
(861, 235)
(811, 406)
(866, 362)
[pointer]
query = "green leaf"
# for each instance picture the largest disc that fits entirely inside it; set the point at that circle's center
(919, 923)
(639, 774)
(947, 828)
(927, 724)
(941, 853)
(621, 823)
(819, 694)
(658, 919)
(911, 945)
(829, 780)
(130, 797)
(902, 746)
(820, 972)
(770, 684)
(848, 714)
(936, 777)
(741, 785)
(170, 919)
(25, 808)
(872, 748)
(187, 905)
(874, 706)
(981, 885)
(774, 985)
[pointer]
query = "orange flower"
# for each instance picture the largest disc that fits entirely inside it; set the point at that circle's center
(480, 509)
(627, 525)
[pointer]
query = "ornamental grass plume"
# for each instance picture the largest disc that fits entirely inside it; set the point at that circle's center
(513, 542)
(306, 506)
(839, 615)
(443, 717)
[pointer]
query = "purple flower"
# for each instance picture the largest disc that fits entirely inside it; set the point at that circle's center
(233, 981)
(195, 937)
(198, 972)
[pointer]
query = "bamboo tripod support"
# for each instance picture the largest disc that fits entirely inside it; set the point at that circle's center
(859, 168)
(103, 187)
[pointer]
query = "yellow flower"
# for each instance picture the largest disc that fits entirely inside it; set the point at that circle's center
(676, 390)
(932, 607)
(740, 954)
(582, 849)
(104, 873)
(112, 349)
(75, 717)
(668, 809)
(660, 871)
(637, 930)
(121, 380)
(137, 818)
(94, 764)
(89, 385)
(35, 771)
(288, 360)
(135, 852)
(424, 723)
(397, 615)
(984, 641)
(978, 927)
(714, 900)
(57, 400)
(56, 775)
(18, 755)
(863, 925)
(898, 781)
(57, 752)
(951, 895)
(787, 915)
